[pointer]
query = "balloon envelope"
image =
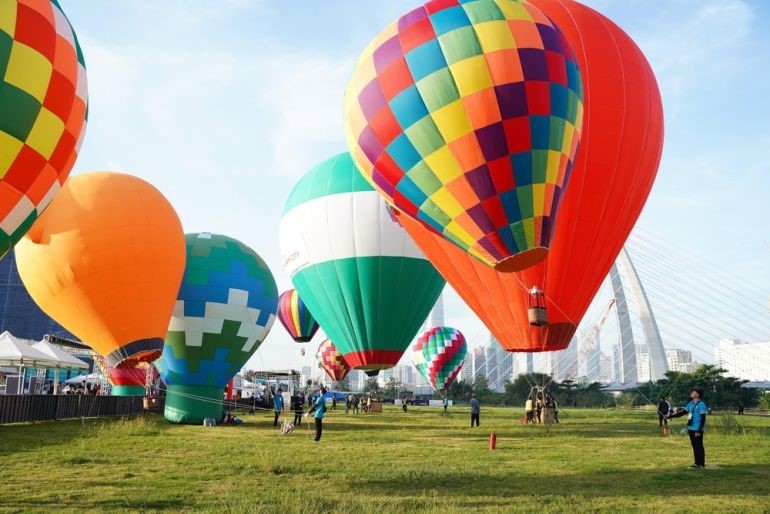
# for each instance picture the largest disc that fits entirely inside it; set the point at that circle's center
(332, 361)
(105, 261)
(614, 170)
(439, 354)
(295, 317)
(224, 310)
(466, 116)
(367, 284)
(43, 111)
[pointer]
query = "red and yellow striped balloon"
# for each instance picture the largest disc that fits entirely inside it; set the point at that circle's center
(295, 317)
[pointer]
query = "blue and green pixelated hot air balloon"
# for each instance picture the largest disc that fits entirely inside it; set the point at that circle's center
(225, 309)
(354, 266)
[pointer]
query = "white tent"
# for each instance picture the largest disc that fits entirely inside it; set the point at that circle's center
(66, 360)
(17, 353)
(94, 378)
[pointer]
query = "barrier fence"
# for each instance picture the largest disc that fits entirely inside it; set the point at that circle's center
(23, 408)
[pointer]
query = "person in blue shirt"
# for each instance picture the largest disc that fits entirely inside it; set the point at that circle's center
(319, 406)
(696, 412)
(446, 404)
(277, 405)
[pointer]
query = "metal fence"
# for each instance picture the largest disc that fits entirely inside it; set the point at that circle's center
(23, 408)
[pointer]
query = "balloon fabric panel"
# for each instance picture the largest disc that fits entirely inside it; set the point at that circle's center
(225, 308)
(466, 116)
(332, 361)
(43, 111)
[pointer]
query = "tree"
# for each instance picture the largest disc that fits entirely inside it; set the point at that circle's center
(341, 385)
(459, 391)
(371, 386)
(390, 390)
(719, 391)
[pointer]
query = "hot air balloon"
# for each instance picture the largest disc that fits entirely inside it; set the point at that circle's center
(127, 381)
(43, 111)
(466, 116)
(295, 317)
(612, 177)
(439, 355)
(105, 261)
(366, 283)
(332, 361)
(225, 309)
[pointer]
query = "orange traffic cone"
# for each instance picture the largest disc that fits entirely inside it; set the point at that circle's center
(492, 441)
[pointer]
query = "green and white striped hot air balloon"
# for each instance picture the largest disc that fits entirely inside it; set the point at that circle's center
(365, 281)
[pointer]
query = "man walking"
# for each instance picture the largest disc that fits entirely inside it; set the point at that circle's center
(277, 405)
(696, 412)
(320, 409)
(475, 410)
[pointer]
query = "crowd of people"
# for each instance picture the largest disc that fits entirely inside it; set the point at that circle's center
(541, 408)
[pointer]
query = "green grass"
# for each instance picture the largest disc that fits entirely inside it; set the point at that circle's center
(596, 460)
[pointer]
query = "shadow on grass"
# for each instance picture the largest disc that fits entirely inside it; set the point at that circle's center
(510, 483)
(24, 437)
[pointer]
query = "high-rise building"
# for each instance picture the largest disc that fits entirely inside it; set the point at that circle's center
(680, 360)
(617, 370)
(19, 314)
(565, 362)
(493, 352)
(466, 373)
(479, 362)
(591, 365)
(643, 367)
(605, 369)
(747, 361)
(435, 317)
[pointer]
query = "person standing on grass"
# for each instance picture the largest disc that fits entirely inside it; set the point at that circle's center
(277, 405)
(696, 412)
(475, 410)
(664, 408)
(334, 401)
(320, 408)
(299, 408)
(528, 409)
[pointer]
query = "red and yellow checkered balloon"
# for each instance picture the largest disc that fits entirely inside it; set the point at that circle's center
(332, 361)
(43, 110)
(466, 116)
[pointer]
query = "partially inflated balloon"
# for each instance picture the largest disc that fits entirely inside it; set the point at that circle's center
(127, 381)
(612, 177)
(332, 361)
(439, 355)
(225, 309)
(295, 317)
(43, 110)
(466, 116)
(105, 261)
(367, 284)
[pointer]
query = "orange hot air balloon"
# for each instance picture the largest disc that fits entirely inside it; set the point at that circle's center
(105, 260)
(614, 171)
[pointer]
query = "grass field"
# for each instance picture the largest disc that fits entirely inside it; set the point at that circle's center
(392, 462)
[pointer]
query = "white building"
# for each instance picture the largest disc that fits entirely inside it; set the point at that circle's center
(565, 362)
(747, 361)
(643, 367)
(680, 360)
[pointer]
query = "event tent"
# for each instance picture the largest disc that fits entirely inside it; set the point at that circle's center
(66, 360)
(17, 353)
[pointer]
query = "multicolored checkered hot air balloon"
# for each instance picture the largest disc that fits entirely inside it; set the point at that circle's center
(225, 309)
(295, 317)
(332, 361)
(439, 355)
(354, 266)
(466, 116)
(43, 110)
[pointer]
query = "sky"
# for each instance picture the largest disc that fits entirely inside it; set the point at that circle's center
(224, 105)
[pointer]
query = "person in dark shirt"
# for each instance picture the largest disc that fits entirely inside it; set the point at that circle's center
(299, 407)
(696, 412)
(664, 409)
